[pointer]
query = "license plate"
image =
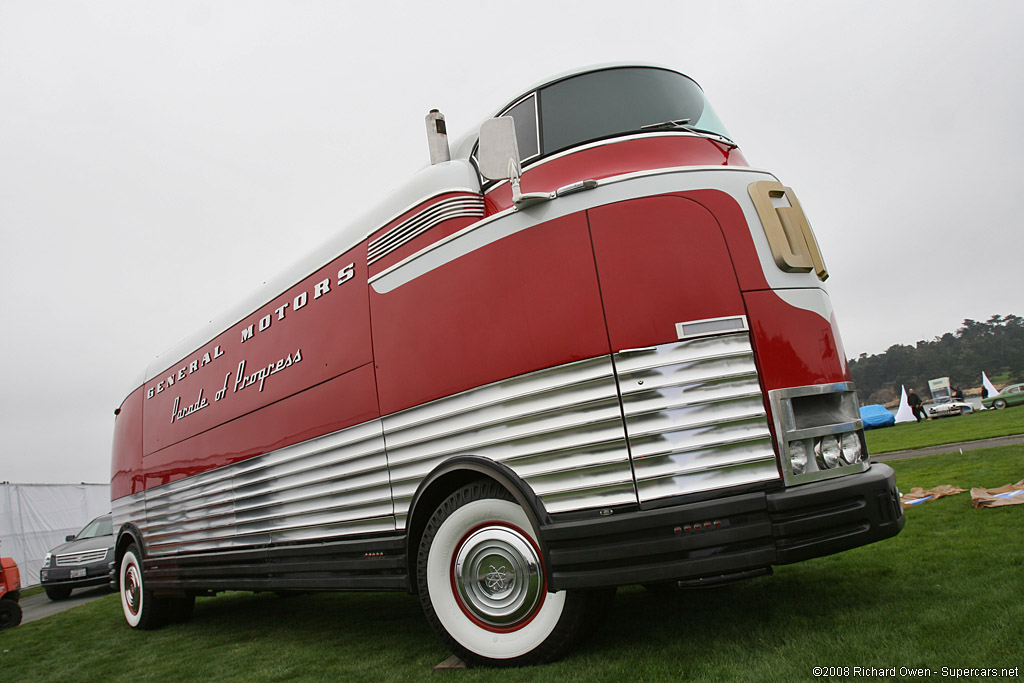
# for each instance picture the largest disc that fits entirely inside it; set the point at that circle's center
(78, 573)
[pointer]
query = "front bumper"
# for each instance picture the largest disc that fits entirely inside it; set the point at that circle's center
(733, 535)
(96, 574)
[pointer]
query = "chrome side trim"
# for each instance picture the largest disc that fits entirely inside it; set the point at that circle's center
(695, 416)
(559, 429)
(330, 486)
(412, 227)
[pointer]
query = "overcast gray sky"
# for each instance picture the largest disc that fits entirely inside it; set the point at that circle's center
(160, 160)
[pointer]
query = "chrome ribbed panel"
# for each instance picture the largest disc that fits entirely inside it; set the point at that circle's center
(695, 416)
(330, 486)
(130, 508)
(84, 557)
(559, 429)
(407, 230)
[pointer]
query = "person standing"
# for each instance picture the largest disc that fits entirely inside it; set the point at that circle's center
(916, 405)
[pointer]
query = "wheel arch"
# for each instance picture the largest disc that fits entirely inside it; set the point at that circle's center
(452, 475)
(126, 535)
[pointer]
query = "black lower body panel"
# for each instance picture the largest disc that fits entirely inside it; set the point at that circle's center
(725, 536)
(357, 564)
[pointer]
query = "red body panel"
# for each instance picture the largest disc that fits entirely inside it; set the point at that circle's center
(338, 403)
(321, 332)
(615, 158)
(126, 461)
(661, 260)
(526, 302)
(794, 347)
(729, 215)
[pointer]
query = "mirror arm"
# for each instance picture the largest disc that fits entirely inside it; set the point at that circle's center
(520, 200)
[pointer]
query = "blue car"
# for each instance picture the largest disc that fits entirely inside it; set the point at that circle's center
(876, 416)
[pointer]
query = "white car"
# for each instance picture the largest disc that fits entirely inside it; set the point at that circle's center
(948, 408)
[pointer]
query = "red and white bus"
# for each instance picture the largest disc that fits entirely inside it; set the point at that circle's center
(588, 347)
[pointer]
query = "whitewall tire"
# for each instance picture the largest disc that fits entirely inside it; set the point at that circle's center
(141, 609)
(481, 581)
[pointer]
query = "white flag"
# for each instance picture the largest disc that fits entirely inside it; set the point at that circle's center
(988, 385)
(904, 414)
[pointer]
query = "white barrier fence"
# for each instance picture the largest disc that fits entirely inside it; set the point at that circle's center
(36, 517)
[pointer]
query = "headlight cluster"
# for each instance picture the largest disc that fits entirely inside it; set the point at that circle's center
(46, 560)
(830, 452)
(819, 430)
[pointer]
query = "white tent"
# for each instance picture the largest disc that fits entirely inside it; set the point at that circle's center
(904, 414)
(988, 385)
(36, 517)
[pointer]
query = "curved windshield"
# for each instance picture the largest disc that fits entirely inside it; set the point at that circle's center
(101, 526)
(624, 100)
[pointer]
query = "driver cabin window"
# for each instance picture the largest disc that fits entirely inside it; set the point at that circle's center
(524, 113)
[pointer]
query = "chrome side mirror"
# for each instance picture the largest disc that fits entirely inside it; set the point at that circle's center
(498, 159)
(498, 155)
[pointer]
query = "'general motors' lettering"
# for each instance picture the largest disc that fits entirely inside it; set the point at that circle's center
(319, 289)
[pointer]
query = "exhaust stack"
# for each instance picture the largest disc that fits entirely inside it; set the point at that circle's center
(437, 138)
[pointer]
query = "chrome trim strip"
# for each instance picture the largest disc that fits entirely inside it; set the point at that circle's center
(412, 227)
(695, 416)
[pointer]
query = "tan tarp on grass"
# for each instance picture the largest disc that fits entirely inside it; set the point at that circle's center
(919, 495)
(1011, 494)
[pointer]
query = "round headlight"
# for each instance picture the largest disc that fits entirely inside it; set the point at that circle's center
(798, 456)
(827, 452)
(852, 451)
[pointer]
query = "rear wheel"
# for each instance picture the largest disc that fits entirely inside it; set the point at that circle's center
(10, 614)
(141, 608)
(58, 592)
(481, 581)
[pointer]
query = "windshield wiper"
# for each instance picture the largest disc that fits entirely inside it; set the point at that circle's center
(684, 124)
(678, 123)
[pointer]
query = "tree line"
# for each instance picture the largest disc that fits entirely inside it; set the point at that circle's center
(995, 346)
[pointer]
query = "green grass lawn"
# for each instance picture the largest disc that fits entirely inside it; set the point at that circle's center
(948, 591)
(984, 424)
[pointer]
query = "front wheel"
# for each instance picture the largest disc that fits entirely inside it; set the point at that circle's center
(481, 581)
(58, 592)
(999, 404)
(10, 614)
(141, 608)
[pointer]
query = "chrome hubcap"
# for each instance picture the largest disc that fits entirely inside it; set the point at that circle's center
(497, 574)
(132, 589)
